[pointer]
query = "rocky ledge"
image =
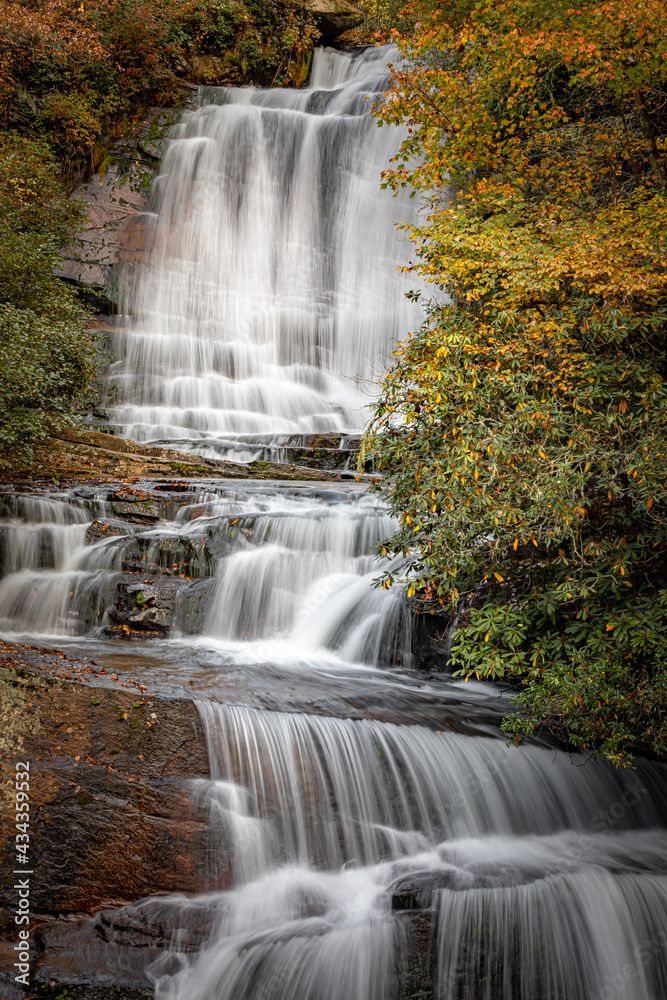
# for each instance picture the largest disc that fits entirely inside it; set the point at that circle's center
(82, 454)
(111, 814)
(112, 819)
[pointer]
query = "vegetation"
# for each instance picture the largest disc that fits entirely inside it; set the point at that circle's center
(524, 428)
(385, 20)
(70, 69)
(47, 359)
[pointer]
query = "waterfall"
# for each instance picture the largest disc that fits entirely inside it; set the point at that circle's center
(544, 880)
(292, 568)
(330, 790)
(272, 294)
(354, 804)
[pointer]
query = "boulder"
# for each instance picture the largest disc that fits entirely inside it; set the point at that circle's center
(143, 609)
(333, 17)
(117, 946)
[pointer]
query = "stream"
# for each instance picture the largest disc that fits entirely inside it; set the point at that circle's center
(348, 789)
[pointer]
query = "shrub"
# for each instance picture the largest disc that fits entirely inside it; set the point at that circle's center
(524, 429)
(47, 359)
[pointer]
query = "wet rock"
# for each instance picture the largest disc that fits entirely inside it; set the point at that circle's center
(176, 591)
(431, 642)
(104, 528)
(94, 992)
(144, 609)
(112, 818)
(117, 946)
(316, 451)
(188, 558)
(417, 964)
(417, 890)
(192, 606)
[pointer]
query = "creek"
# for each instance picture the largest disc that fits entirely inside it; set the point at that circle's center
(348, 791)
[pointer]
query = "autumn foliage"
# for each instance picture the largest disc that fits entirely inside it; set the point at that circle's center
(524, 428)
(71, 70)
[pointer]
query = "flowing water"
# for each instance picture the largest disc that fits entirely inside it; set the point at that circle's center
(372, 835)
(272, 295)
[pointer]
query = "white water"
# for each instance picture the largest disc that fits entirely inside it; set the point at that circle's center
(541, 881)
(330, 790)
(272, 292)
(294, 569)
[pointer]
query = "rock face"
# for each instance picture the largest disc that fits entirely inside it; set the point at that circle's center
(143, 609)
(116, 202)
(431, 642)
(112, 818)
(333, 17)
(115, 231)
(119, 946)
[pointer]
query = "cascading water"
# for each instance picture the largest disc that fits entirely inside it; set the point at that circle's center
(542, 879)
(272, 293)
(349, 799)
(293, 567)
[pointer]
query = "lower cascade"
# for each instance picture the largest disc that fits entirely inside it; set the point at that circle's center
(371, 836)
(354, 807)
(540, 878)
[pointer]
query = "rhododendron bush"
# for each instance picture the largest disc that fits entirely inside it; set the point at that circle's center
(522, 431)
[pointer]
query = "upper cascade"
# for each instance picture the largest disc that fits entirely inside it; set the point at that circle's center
(272, 297)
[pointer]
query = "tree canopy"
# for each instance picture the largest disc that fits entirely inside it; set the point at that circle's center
(523, 429)
(71, 70)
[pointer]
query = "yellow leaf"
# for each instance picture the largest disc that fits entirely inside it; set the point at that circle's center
(498, 577)
(486, 637)
(610, 626)
(516, 544)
